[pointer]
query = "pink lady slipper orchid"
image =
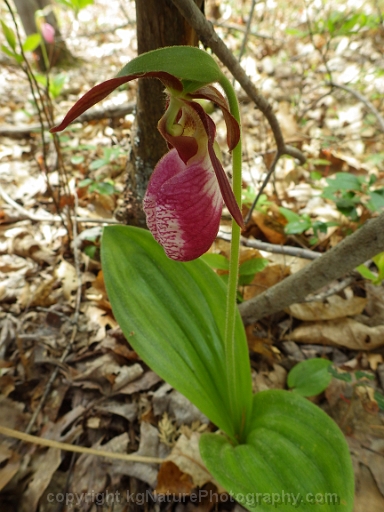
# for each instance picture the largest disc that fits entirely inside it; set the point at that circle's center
(183, 202)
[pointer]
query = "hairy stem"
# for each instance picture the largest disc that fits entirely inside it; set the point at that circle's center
(231, 344)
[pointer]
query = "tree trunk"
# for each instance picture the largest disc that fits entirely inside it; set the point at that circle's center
(159, 24)
(57, 52)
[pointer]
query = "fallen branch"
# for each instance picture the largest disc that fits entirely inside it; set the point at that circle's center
(23, 131)
(354, 250)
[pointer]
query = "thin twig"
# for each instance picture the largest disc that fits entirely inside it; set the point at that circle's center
(297, 252)
(311, 35)
(363, 100)
(247, 30)
(240, 28)
(337, 288)
(263, 185)
(40, 441)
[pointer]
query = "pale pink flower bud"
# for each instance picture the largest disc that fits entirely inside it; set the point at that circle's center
(48, 32)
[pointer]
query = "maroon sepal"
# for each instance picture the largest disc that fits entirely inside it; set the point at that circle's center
(101, 91)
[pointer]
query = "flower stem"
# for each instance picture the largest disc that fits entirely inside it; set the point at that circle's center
(238, 373)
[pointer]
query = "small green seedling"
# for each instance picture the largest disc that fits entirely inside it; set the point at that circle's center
(348, 192)
(298, 224)
(375, 278)
(312, 376)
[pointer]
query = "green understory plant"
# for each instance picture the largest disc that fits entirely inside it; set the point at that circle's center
(298, 224)
(247, 270)
(312, 376)
(348, 192)
(375, 278)
(271, 448)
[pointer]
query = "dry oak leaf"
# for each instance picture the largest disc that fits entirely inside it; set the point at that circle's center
(44, 466)
(263, 280)
(8, 470)
(369, 476)
(334, 307)
(344, 332)
(186, 456)
(271, 226)
(171, 480)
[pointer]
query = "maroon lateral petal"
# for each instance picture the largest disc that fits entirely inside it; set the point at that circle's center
(101, 91)
(225, 187)
(210, 93)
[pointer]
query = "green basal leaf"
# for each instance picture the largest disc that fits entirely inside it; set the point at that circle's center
(289, 214)
(77, 159)
(253, 266)
(196, 67)
(11, 53)
(104, 188)
(366, 273)
(32, 42)
(173, 315)
(339, 374)
(344, 181)
(41, 79)
(376, 200)
(295, 458)
(310, 377)
(297, 227)
(379, 397)
(217, 261)
(9, 35)
(97, 164)
(360, 374)
(85, 182)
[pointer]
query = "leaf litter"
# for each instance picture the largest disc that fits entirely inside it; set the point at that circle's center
(103, 396)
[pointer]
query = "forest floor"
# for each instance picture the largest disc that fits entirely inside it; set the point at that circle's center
(66, 371)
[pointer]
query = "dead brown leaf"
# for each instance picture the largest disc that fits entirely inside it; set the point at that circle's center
(258, 344)
(171, 480)
(334, 307)
(66, 273)
(9, 465)
(342, 333)
(272, 226)
(186, 455)
(265, 279)
(275, 379)
(44, 465)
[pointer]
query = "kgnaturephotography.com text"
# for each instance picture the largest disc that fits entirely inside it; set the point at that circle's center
(275, 500)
